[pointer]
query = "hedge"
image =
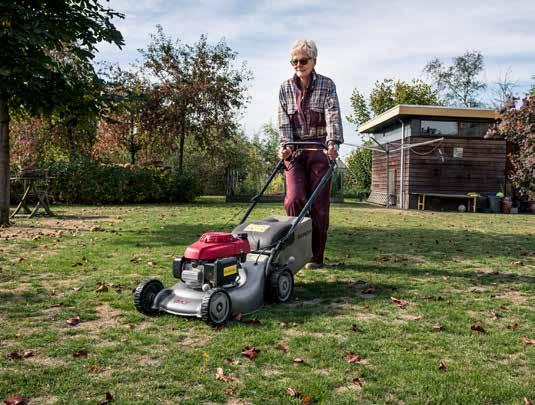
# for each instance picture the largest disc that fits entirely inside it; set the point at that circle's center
(87, 182)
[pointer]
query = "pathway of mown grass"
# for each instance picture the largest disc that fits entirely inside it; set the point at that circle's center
(452, 269)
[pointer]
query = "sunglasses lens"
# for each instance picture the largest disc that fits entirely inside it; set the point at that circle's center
(303, 61)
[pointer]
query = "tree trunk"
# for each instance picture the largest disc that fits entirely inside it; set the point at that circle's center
(181, 154)
(4, 163)
(133, 155)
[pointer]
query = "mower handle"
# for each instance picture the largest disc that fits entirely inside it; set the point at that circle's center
(321, 145)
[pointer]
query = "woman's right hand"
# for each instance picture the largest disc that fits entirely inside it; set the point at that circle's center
(285, 152)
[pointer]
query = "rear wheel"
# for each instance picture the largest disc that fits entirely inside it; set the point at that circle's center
(216, 307)
(281, 285)
(145, 294)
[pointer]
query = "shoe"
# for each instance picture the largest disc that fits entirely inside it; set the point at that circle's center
(313, 265)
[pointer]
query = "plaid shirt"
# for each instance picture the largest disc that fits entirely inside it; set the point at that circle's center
(310, 114)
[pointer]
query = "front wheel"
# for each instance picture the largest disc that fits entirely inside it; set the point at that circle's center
(281, 285)
(145, 294)
(216, 307)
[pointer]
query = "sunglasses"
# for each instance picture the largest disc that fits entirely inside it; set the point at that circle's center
(302, 61)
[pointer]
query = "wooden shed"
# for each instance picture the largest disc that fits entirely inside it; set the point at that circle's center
(433, 156)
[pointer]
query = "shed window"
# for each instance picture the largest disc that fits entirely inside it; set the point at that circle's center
(474, 129)
(439, 128)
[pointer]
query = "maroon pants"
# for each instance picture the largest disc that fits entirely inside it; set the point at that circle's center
(304, 172)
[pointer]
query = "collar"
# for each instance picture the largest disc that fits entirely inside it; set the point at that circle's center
(312, 83)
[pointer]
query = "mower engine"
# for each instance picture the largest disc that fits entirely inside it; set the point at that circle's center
(212, 261)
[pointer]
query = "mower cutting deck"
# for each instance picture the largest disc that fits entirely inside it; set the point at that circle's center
(229, 273)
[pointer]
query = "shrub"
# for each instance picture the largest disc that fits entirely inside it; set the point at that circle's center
(87, 182)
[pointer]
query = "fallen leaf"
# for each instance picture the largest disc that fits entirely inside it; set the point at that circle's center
(528, 341)
(76, 289)
(298, 360)
(358, 382)
(16, 401)
(135, 260)
(150, 263)
(352, 357)
(233, 361)
(517, 263)
(80, 353)
(527, 401)
(250, 352)
(293, 392)
(399, 302)
(221, 376)
(27, 354)
(95, 369)
(14, 356)
(513, 326)
(59, 304)
(230, 391)
(438, 327)
(102, 288)
(354, 327)
(108, 399)
(445, 278)
(416, 318)
(478, 327)
(495, 315)
(307, 400)
(442, 366)
(73, 321)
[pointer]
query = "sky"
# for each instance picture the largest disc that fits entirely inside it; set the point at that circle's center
(358, 42)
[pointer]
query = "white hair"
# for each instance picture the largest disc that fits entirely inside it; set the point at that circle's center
(306, 45)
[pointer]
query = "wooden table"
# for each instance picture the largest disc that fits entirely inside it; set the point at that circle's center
(468, 197)
(35, 184)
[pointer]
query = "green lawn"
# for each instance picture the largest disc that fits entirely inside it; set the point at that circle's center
(453, 272)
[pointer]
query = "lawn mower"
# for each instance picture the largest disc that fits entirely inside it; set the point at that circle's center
(224, 274)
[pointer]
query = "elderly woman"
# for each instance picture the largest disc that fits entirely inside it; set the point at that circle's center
(309, 111)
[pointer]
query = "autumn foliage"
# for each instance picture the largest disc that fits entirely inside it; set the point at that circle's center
(517, 127)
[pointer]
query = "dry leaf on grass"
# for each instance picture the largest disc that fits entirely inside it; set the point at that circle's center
(370, 289)
(14, 356)
(527, 401)
(298, 360)
(399, 302)
(352, 358)
(478, 327)
(80, 354)
(109, 398)
(307, 400)
(528, 341)
(293, 392)
(221, 376)
(16, 401)
(442, 366)
(234, 362)
(513, 326)
(73, 321)
(250, 352)
(358, 382)
(230, 391)
(438, 327)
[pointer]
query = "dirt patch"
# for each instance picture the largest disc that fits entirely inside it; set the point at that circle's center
(196, 341)
(56, 227)
(46, 361)
(514, 296)
(349, 388)
(147, 361)
(107, 318)
(237, 401)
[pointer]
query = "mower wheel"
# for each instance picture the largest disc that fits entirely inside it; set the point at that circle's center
(145, 294)
(281, 285)
(216, 307)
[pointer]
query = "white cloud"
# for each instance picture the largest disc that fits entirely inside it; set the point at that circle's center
(359, 41)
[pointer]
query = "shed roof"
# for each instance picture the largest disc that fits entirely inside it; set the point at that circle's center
(431, 111)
